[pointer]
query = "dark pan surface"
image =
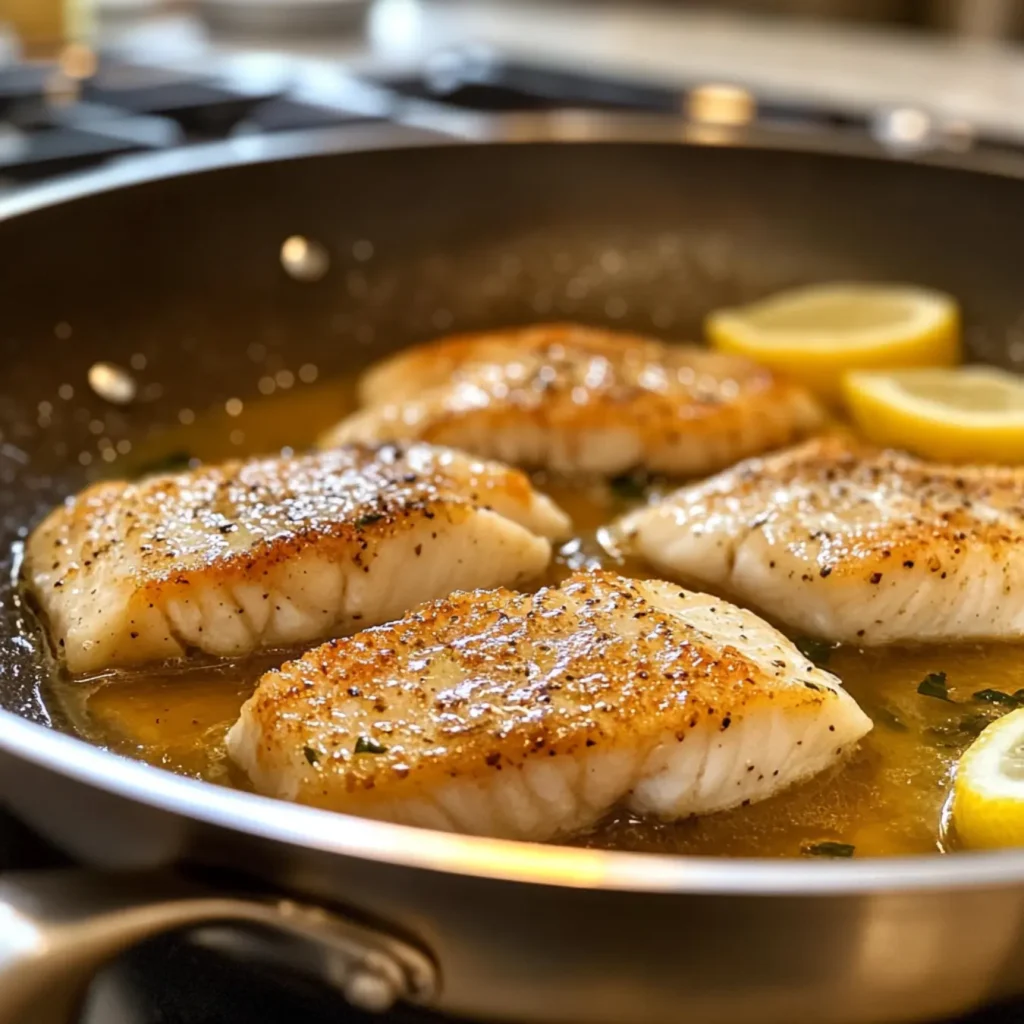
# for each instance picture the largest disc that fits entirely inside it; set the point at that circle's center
(182, 276)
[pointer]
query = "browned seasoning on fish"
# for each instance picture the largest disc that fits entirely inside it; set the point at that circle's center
(530, 715)
(852, 543)
(132, 572)
(580, 399)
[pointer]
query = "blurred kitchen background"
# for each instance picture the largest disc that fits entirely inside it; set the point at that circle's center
(84, 82)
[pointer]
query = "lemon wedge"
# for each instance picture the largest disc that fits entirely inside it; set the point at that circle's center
(988, 795)
(973, 414)
(815, 334)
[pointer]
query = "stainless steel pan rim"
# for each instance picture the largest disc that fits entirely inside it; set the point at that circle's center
(426, 126)
(484, 858)
(489, 858)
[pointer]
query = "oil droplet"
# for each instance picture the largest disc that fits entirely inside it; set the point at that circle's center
(124, 446)
(186, 416)
(308, 373)
(85, 458)
(138, 361)
(237, 436)
(112, 383)
(285, 378)
(62, 330)
(303, 259)
(109, 454)
(362, 250)
(266, 385)
(663, 317)
(234, 407)
(612, 262)
(616, 307)
(96, 427)
(66, 392)
(576, 288)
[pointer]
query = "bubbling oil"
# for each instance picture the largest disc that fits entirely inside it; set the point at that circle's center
(887, 799)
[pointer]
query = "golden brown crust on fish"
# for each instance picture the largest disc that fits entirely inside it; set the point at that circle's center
(575, 398)
(486, 682)
(117, 565)
(852, 542)
(906, 511)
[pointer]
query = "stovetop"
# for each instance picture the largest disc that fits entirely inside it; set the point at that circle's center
(86, 109)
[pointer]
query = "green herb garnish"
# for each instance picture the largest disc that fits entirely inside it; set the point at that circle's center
(370, 517)
(888, 717)
(828, 849)
(818, 651)
(368, 745)
(953, 733)
(311, 755)
(1009, 700)
(934, 685)
(629, 487)
(972, 725)
(175, 462)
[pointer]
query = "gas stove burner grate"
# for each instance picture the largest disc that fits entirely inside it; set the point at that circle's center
(51, 125)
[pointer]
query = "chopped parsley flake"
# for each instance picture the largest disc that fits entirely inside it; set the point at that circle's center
(629, 487)
(934, 685)
(887, 717)
(818, 651)
(368, 745)
(1007, 700)
(828, 849)
(370, 517)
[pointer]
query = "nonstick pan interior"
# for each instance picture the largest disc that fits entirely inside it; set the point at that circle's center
(180, 280)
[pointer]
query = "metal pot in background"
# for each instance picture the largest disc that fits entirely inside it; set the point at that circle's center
(979, 19)
(894, 11)
(277, 18)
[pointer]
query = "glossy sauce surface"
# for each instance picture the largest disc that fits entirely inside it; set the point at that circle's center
(887, 800)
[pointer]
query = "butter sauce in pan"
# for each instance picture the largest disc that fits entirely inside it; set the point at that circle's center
(887, 798)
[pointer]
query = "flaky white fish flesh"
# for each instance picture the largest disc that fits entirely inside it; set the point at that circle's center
(274, 552)
(851, 543)
(529, 716)
(581, 400)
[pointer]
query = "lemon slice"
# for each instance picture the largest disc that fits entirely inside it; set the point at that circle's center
(815, 334)
(973, 414)
(988, 795)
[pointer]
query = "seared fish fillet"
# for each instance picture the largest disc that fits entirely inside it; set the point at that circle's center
(528, 716)
(272, 552)
(851, 543)
(575, 399)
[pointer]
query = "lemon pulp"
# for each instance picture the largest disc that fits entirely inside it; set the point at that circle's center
(988, 796)
(816, 334)
(972, 414)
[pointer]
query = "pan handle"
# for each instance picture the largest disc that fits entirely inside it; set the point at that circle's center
(57, 928)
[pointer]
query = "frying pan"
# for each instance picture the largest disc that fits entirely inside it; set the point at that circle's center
(174, 268)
